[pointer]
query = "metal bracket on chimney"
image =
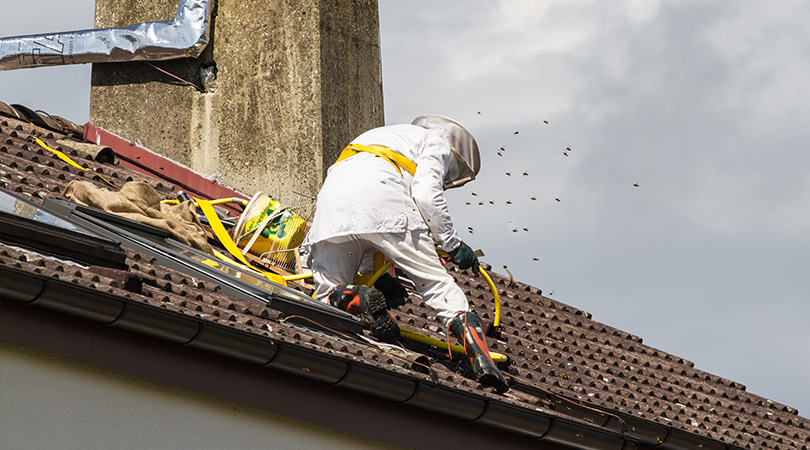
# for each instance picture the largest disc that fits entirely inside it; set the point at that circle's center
(185, 36)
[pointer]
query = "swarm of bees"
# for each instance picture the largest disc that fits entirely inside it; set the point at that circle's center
(501, 151)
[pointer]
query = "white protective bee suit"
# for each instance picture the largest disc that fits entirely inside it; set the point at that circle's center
(367, 205)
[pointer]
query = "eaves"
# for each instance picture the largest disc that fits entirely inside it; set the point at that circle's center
(27, 290)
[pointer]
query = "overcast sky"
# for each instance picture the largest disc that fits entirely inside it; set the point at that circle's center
(704, 105)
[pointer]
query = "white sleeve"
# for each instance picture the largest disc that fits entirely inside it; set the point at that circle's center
(428, 193)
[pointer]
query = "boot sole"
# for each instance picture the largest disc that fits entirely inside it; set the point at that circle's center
(490, 375)
(495, 382)
(382, 324)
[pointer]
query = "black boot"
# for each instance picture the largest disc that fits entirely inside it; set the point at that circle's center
(467, 329)
(368, 303)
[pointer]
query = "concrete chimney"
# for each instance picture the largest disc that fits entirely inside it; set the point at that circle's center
(295, 81)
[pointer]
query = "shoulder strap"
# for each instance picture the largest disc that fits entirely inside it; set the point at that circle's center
(398, 161)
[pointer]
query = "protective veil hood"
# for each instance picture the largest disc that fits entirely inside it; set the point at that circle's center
(466, 162)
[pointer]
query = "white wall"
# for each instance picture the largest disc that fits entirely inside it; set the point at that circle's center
(50, 402)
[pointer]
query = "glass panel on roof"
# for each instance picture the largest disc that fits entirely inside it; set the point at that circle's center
(234, 271)
(14, 205)
(32, 226)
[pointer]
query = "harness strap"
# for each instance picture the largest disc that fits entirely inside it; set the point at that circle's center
(398, 161)
(67, 159)
(227, 242)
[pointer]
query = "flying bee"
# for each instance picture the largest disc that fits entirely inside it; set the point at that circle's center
(545, 122)
(557, 199)
(635, 185)
(534, 198)
(516, 132)
(526, 173)
(491, 202)
(536, 259)
(568, 148)
(508, 174)
(564, 153)
(526, 229)
(467, 203)
(509, 202)
(474, 194)
(500, 154)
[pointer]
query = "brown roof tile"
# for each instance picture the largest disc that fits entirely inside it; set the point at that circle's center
(566, 362)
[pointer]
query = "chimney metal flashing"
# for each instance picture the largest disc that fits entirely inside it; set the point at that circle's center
(185, 36)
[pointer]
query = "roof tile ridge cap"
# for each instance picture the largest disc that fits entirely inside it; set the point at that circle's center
(25, 126)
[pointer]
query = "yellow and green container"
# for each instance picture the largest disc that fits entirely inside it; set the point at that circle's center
(282, 230)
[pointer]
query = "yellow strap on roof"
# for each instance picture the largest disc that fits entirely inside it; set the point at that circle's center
(67, 159)
(397, 160)
(227, 242)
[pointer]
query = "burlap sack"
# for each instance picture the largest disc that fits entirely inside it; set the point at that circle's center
(140, 202)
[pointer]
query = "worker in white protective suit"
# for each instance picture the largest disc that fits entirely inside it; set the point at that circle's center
(386, 194)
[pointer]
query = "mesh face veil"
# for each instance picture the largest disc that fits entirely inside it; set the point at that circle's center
(466, 162)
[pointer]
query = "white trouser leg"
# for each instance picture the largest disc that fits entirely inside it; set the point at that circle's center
(336, 261)
(415, 254)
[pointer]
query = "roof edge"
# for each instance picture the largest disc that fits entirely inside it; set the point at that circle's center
(120, 312)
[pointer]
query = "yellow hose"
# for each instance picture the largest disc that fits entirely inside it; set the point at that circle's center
(298, 276)
(376, 275)
(492, 288)
(419, 337)
(495, 296)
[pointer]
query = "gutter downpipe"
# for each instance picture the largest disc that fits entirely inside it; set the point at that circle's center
(185, 36)
(119, 312)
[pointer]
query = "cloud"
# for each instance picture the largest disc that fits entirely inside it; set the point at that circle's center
(701, 103)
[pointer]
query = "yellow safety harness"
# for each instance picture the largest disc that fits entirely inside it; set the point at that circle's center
(398, 161)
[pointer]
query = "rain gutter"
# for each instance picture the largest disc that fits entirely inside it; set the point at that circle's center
(106, 309)
(586, 429)
(548, 426)
(650, 434)
(184, 36)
